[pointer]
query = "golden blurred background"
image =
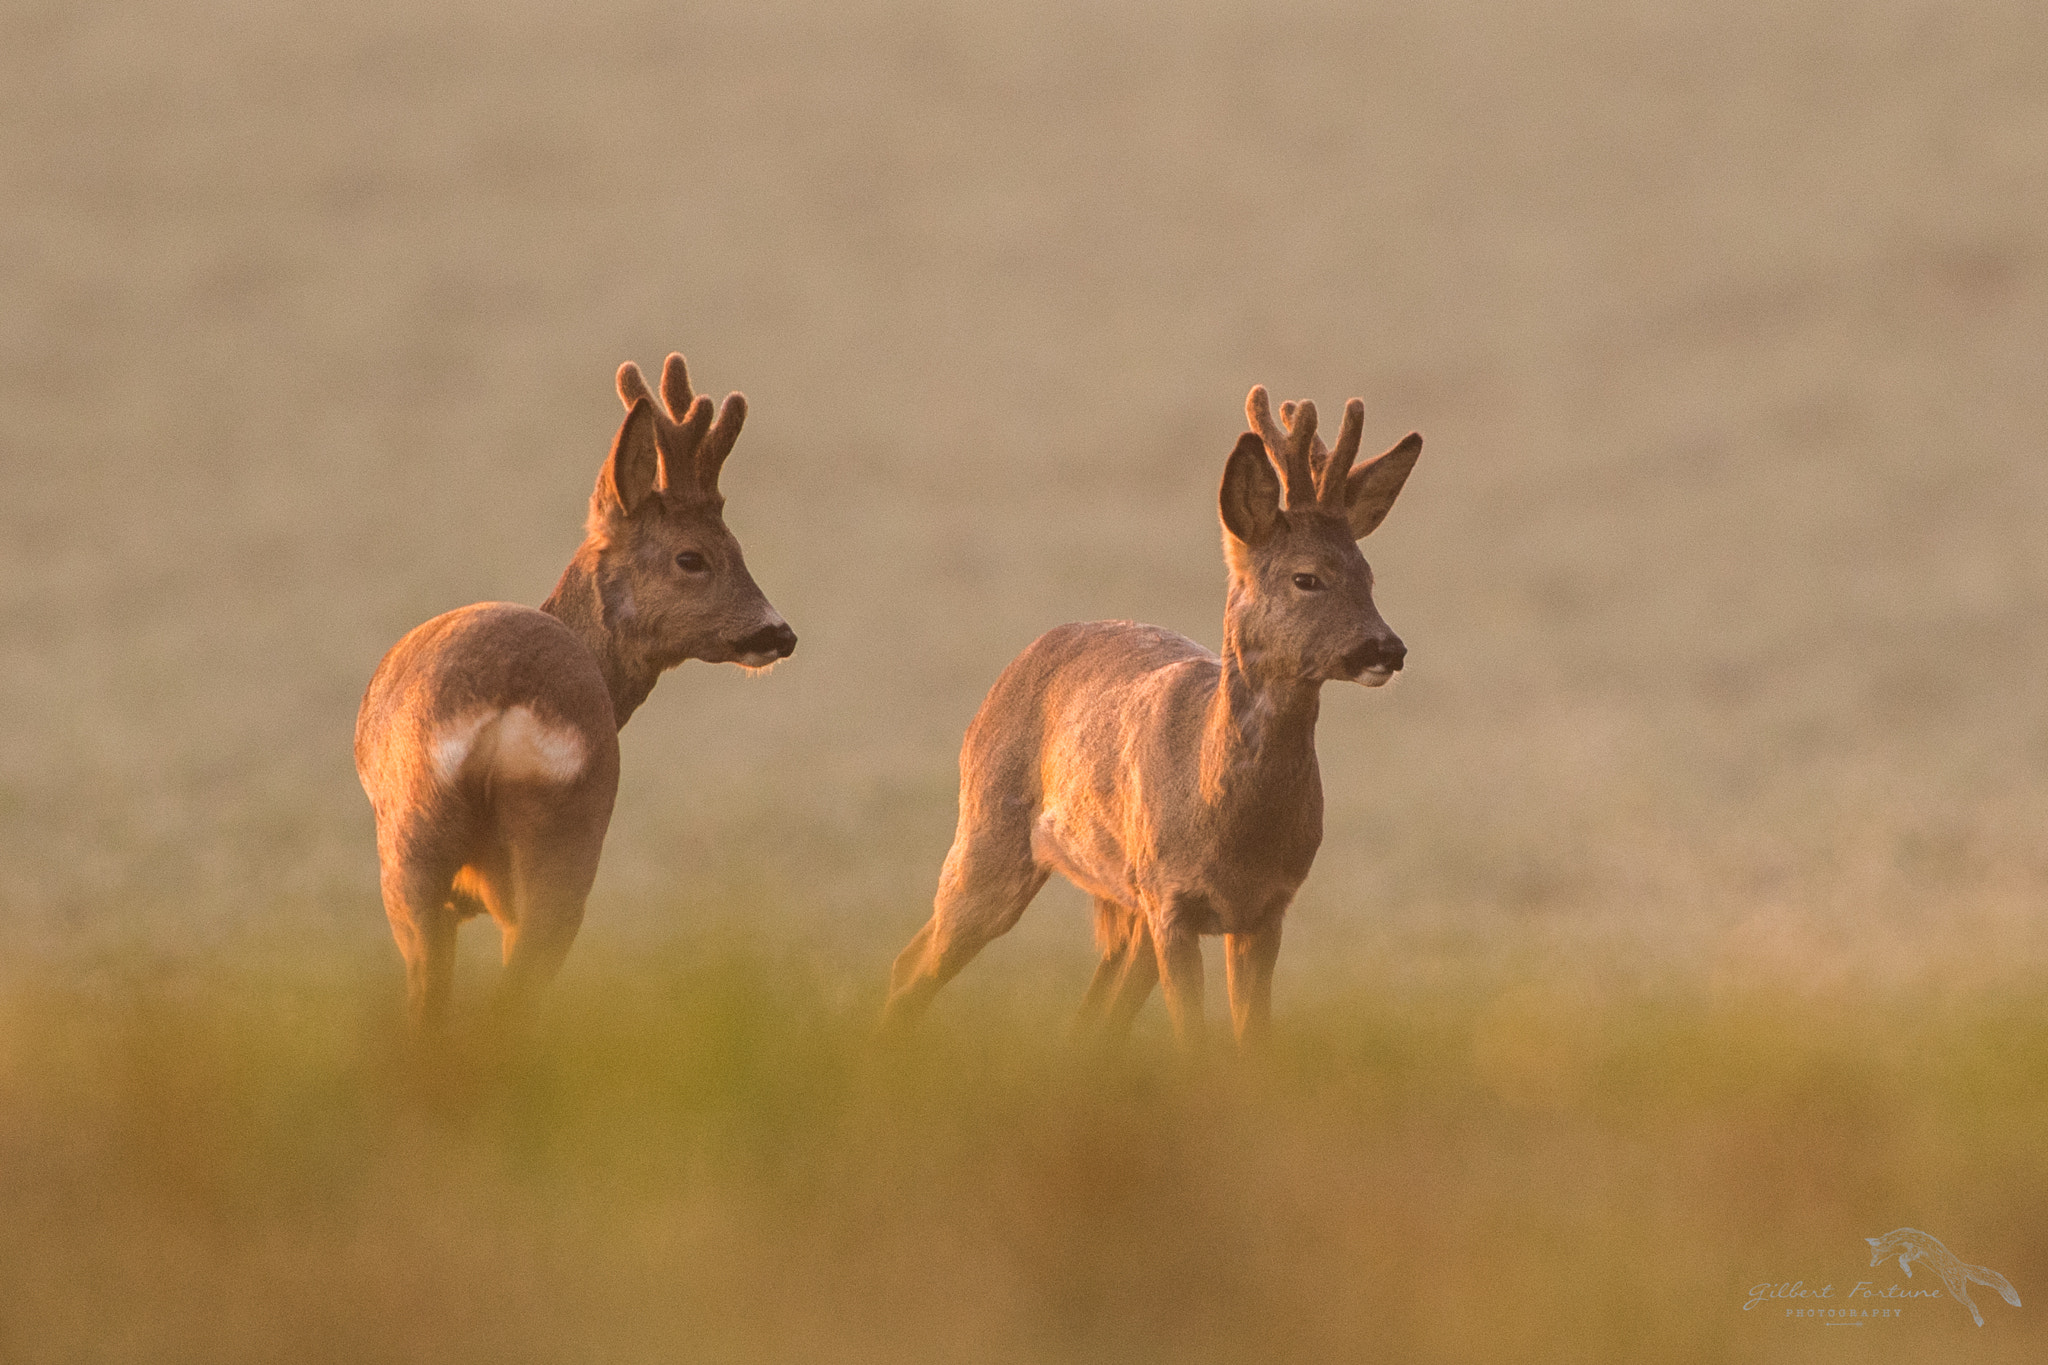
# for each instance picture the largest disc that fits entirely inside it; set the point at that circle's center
(1723, 572)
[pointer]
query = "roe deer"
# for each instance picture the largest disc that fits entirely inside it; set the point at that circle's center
(1177, 788)
(488, 740)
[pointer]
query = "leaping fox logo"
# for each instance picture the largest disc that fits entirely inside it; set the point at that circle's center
(1911, 1244)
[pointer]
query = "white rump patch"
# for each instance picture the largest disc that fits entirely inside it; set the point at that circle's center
(451, 747)
(530, 747)
(517, 744)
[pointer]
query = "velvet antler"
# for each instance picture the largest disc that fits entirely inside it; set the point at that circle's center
(1287, 448)
(693, 445)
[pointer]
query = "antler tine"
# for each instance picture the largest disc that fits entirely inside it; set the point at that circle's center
(632, 385)
(675, 386)
(1301, 462)
(677, 443)
(1337, 468)
(1285, 448)
(1318, 453)
(1258, 410)
(718, 441)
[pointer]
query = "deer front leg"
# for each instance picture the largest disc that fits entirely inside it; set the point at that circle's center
(1140, 975)
(1248, 972)
(1102, 986)
(1179, 952)
(1127, 974)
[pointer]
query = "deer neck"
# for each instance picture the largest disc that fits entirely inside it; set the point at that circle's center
(599, 614)
(1259, 735)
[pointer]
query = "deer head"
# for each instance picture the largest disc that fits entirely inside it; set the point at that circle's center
(671, 578)
(1293, 511)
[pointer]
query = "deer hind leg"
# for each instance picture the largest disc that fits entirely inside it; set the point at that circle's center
(542, 911)
(423, 924)
(1126, 975)
(983, 889)
(539, 890)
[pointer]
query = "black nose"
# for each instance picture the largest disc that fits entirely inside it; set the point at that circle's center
(1385, 652)
(777, 640)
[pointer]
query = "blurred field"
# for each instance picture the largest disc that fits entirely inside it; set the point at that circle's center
(1722, 755)
(701, 1160)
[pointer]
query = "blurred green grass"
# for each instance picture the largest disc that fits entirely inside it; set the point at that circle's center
(700, 1155)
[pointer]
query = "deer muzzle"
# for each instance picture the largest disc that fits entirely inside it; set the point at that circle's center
(1376, 661)
(766, 645)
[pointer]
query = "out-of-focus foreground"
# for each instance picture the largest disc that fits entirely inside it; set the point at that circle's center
(702, 1159)
(1723, 573)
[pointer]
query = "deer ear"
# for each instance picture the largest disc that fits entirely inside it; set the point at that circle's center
(1250, 497)
(628, 477)
(1370, 491)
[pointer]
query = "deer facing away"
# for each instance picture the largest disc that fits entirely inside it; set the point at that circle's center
(1177, 788)
(488, 740)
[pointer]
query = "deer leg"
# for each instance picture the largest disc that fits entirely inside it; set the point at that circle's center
(1126, 975)
(534, 952)
(538, 901)
(1102, 986)
(550, 911)
(1134, 984)
(423, 924)
(1114, 937)
(1179, 954)
(982, 894)
(1248, 971)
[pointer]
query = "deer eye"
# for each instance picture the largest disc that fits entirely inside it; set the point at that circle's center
(689, 561)
(1308, 582)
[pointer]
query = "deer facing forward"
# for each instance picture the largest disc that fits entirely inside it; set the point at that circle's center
(1176, 787)
(488, 740)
